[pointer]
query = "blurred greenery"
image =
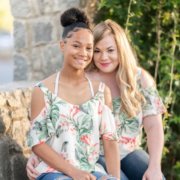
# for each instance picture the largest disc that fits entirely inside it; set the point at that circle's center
(153, 28)
(6, 19)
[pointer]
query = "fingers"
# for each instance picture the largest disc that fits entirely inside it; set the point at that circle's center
(31, 170)
(92, 177)
(32, 173)
(144, 178)
(35, 162)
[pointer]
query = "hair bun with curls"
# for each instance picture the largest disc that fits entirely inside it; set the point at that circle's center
(73, 18)
(73, 15)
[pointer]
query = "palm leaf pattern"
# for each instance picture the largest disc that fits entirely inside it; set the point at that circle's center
(72, 126)
(132, 128)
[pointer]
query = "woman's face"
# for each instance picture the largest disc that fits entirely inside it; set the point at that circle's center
(106, 54)
(78, 49)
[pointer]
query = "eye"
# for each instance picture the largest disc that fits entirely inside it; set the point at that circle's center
(75, 45)
(110, 50)
(96, 51)
(89, 48)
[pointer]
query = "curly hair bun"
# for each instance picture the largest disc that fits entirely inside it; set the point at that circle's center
(73, 15)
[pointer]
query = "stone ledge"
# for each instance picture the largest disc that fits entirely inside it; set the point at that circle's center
(15, 101)
(16, 85)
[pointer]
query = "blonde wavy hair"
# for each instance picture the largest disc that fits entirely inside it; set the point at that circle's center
(130, 96)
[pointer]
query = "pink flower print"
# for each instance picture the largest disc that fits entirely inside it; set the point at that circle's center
(100, 108)
(85, 139)
(62, 115)
(41, 142)
(157, 102)
(64, 155)
(90, 158)
(159, 105)
(74, 110)
(95, 153)
(126, 140)
(108, 136)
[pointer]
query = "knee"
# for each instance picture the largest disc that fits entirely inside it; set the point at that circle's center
(107, 178)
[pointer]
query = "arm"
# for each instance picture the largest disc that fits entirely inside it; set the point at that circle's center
(111, 148)
(56, 161)
(154, 130)
(155, 141)
(112, 157)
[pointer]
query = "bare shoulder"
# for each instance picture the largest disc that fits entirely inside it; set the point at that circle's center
(37, 99)
(37, 102)
(108, 96)
(146, 79)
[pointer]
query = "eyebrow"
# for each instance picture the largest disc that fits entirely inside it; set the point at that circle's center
(81, 43)
(106, 48)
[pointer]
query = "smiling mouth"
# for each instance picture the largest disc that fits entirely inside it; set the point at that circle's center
(105, 64)
(80, 61)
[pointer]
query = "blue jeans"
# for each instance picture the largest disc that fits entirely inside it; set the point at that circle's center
(61, 176)
(133, 166)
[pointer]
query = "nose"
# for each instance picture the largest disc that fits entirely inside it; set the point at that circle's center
(83, 52)
(104, 56)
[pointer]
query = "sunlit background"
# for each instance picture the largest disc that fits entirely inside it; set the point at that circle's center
(6, 42)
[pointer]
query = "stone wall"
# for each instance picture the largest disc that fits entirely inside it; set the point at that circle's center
(14, 111)
(36, 35)
(14, 123)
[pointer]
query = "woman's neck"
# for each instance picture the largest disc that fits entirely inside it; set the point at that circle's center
(72, 75)
(108, 78)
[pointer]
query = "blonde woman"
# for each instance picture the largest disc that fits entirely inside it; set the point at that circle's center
(136, 103)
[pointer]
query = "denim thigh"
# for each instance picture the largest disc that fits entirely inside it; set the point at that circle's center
(135, 164)
(53, 176)
(100, 175)
(101, 161)
(61, 176)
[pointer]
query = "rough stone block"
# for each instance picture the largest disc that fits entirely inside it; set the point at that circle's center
(42, 31)
(20, 35)
(45, 6)
(2, 100)
(4, 159)
(21, 67)
(19, 113)
(22, 9)
(52, 58)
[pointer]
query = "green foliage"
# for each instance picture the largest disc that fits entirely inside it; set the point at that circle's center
(153, 28)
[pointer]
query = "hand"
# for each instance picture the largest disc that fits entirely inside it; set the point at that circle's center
(30, 168)
(82, 175)
(152, 174)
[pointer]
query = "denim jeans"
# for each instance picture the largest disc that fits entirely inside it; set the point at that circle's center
(101, 161)
(133, 166)
(61, 176)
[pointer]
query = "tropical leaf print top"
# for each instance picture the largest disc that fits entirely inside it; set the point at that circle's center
(73, 130)
(129, 130)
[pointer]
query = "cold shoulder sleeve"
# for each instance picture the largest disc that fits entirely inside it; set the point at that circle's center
(153, 104)
(107, 124)
(42, 126)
